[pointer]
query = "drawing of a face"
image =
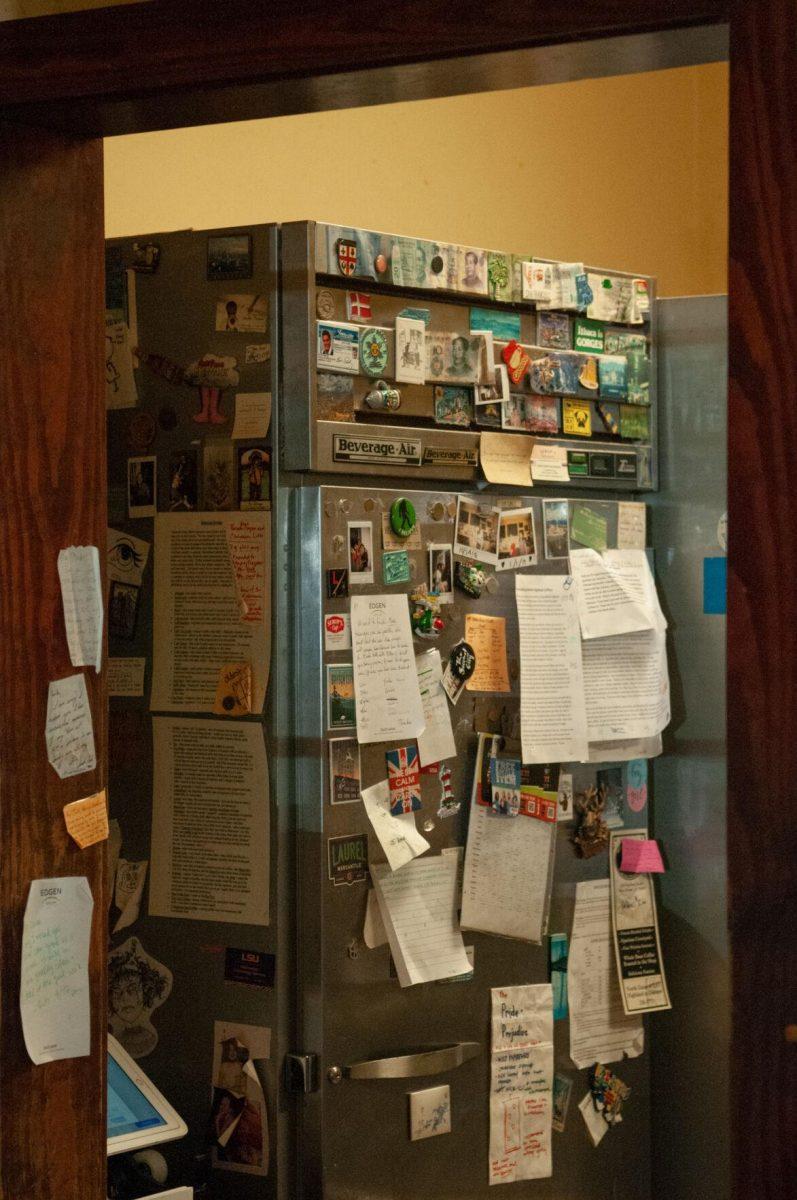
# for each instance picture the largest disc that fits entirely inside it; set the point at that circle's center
(124, 556)
(127, 998)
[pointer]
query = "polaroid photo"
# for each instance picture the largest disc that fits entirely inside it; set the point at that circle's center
(141, 484)
(476, 531)
(123, 601)
(338, 346)
(230, 256)
(344, 770)
(441, 570)
(496, 392)
(472, 270)
(361, 553)
(453, 406)
(410, 350)
(241, 314)
(341, 711)
(516, 544)
(556, 528)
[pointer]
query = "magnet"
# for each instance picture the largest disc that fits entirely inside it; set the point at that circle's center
(402, 517)
(425, 616)
(383, 398)
(337, 583)
(146, 256)
(516, 359)
(463, 660)
(141, 432)
(358, 306)
(608, 418)
(436, 265)
(449, 805)
(395, 567)
(212, 374)
(380, 264)
(325, 304)
(373, 352)
(588, 375)
(404, 780)
(346, 250)
(608, 1093)
(469, 578)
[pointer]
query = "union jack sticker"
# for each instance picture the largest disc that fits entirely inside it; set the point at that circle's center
(404, 780)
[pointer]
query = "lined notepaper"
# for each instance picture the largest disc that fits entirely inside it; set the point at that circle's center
(418, 906)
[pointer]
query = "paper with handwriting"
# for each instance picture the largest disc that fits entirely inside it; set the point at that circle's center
(81, 593)
(387, 695)
(69, 733)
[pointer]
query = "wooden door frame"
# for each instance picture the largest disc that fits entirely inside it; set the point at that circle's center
(64, 82)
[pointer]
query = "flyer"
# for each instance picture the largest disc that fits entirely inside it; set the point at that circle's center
(635, 929)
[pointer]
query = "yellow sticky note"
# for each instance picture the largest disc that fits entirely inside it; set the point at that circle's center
(87, 820)
(487, 636)
(576, 417)
(234, 690)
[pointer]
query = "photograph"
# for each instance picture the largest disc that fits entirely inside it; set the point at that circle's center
(361, 553)
(182, 480)
(555, 524)
(241, 314)
(476, 531)
(441, 570)
(341, 712)
(254, 478)
(516, 546)
(238, 1120)
(123, 610)
(453, 406)
(230, 256)
(344, 770)
(496, 392)
(141, 477)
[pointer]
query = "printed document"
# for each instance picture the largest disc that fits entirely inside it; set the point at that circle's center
(387, 696)
(419, 911)
(521, 1083)
(636, 932)
(627, 686)
(616, 592)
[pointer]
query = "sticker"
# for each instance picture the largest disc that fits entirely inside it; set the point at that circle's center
(334, 385)
(358, 306)
(347, 859)
(141, 476)
(576, 418)
(337, 632)
(137, 985)
(325, 304)
(338, 346)
(255, 968)
(234, 691)
(430, 1112)
(588, 335)
(715, 583)
(346, 253)
(626, 466)
(87, 820)
(230, 256)
(344, 770)
(341, 712)
(241, 314)
(404, 780)
(402, 517)
(212, 374)
(337, 583)
(406, 451)
(443, 456)
(361, 553)
(373, 352)
(636, 788)
(441, 570)
(456, 358)
(588, 374)
(558, 963)
(395, 567)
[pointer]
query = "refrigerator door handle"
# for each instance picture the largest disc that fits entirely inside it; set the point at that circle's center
(431, 1061)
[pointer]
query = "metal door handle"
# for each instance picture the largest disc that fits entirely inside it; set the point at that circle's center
(430, 1061)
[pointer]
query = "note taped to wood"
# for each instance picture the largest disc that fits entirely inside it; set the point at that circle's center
(87, 820)
(69, 733)
(81, 593)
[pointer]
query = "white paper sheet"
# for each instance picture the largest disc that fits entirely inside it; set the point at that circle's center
(69, 733)
(626, 685)
(596, 1125)
(521, 1082)
(624, 749)
(615, 592)
(54, 997)
(398, 836)
(374, 933)
(508, 867)
(599, 1029)
(418, 906)
(126, 676)
(553, 719)
(212, 606)
(388, 700)
(130, 877)
(252, 416)
(81, 592)
(210, 821)
(436, 742)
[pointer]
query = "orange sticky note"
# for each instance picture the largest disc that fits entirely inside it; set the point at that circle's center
(234, 690)
(641, 857)
(87, 820)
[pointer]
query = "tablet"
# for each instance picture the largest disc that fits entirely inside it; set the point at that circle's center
(138, 1115)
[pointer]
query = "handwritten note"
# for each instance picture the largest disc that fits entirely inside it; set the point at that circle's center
(641, 857)
(234, 690)
(388, 699)
(54, 983)
(631, 530)
(248, 554)
(521, 1082)
(126, 676)
(419, 911)
(252, 415)
(506, 457)
(436, 743)
(81, 593)
(69, 733)
(87, 820)
(487, 636)
(398, 836)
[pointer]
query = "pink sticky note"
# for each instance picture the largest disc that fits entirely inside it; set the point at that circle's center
(641, 857)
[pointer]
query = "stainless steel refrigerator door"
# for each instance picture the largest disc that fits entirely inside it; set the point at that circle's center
(354, 1142)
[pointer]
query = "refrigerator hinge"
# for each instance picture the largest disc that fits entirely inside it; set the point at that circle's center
(301, 1073)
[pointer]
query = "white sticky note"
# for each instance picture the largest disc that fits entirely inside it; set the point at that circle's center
(398, 836)
(69, 733)
(81, 592)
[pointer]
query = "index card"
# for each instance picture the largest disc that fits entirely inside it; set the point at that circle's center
(418, 906)
(69, 734)
(387, 696)
(81, 593)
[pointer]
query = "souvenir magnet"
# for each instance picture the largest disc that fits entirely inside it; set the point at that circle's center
(404, 780)
(337, 583)
(402, 517)
(608, 1093)
(505, 789)
(516, 359)
(341, 713)
(608, 418)
(358, 306)
(211, 374)
(592, 835)
(588, 375)
(425, 616)
(383, 398)
(325, 304)
(395, 567)
(348, 859)
(373, 352)
(469, 579)
(346, 250)
(449, 805)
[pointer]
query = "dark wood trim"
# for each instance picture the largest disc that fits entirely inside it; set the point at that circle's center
(52, 494)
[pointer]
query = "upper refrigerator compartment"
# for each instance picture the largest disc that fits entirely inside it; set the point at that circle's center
(405, 358)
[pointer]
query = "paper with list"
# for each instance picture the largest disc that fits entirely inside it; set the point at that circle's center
(81, 593)
(553, 720)
(615, 592)
(521, 1083)
(252, 416)
(398, 836)
(419, 911)
(69, 733)
(387, 696)
(599, 1029)
(436, 742)
(631, 525)
(487, 636)
(54, 983)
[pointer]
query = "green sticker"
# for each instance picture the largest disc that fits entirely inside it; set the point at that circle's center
(588, 528)
(634, 422)
(395, 566)
(588, 335)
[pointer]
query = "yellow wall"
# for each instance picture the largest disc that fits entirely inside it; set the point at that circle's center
(627, 172)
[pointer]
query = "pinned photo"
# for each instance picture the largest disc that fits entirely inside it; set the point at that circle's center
(361, 553)
(344, 770)
(516, 545)
(230, 256)
(476, 531)
(441, 571)
(338, 346)
(123, 610)
(254, 478)
(556, 528)
(496, 392)
(141, 476)
(341, 712)
(241, 314)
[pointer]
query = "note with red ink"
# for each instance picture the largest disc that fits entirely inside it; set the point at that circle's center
(641, 857)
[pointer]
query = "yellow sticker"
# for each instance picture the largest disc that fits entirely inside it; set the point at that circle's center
(576, 418)
(87, 820)
(234, 690)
